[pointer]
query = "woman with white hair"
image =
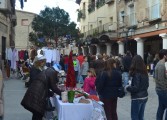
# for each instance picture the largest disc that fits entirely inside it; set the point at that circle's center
(38, 66)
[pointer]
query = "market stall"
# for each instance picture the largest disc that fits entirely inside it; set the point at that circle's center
(73, 111)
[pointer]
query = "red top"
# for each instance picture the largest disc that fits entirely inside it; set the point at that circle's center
(80, 59)
(89, 84)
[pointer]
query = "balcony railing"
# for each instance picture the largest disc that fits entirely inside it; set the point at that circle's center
(132, 19)
(91, 7)
(153, 12)
(108, 27)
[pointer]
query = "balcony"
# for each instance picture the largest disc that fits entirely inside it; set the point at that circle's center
(153, 12)
(81, 14)
(109, 1)
(5, 6)
(105, 28)
(91, 7)
(100, 3)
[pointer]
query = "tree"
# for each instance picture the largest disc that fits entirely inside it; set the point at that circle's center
(54, 22)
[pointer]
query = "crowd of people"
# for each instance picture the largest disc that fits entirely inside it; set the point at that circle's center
(103, 75)
(100, 75)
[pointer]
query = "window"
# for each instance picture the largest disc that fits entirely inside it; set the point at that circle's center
(91, 26)
(132, 16)
(154, 9)
(84, 29)
(24, 22)
(111, 20)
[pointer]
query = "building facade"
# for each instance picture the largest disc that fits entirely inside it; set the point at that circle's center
(118, 26)
(7, 25)
(23, 28)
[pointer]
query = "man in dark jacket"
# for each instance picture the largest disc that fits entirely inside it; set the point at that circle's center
(126, 61)
(161, 84)
(35, 97)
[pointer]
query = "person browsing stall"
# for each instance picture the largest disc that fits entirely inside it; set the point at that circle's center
(89, 82)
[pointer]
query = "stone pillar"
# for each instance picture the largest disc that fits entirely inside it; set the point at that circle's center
(90, 49)
(164, 40)
(108, 46)
(83, 51)
(140, 47)
(121, 47)
(97, 49)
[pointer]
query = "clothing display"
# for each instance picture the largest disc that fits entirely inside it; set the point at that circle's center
(12, 56)
(52, 55)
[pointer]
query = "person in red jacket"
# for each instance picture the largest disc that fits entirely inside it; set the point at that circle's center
(89, 82)
(80, 58)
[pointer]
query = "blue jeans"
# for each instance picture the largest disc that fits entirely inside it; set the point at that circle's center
(137, 109)
(66, 67)
(125, 78)
(162, 98)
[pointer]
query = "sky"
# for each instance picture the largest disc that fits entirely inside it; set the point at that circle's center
(36, 5)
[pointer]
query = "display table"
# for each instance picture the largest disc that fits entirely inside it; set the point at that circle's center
(73, 111)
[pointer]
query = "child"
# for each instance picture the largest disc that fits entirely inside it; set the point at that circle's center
(89, 82)
(84, 68)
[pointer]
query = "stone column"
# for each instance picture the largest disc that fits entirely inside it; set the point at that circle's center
(140, 46)
(90, 49)
(108, 46)
(121, 47)
(164, 40)
(83, 51)
(97, 49)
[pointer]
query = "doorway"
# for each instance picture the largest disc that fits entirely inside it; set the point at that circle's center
(3, 48)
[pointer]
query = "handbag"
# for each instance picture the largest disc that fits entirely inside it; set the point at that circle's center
(121, 92)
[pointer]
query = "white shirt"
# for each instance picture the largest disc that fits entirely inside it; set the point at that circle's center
(48, 55)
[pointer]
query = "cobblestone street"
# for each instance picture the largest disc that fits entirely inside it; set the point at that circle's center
(14, 91)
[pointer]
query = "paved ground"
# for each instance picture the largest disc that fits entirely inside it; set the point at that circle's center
(14, 91)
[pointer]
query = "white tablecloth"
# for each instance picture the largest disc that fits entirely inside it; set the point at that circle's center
(71, 111)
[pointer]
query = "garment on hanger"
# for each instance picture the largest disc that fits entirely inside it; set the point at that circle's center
(21, 54)
(26, 55)
(57, 56)
(14, 58)
(8, 53)
(48, 55)
(54, 55)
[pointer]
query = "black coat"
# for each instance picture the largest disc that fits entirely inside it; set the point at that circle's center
(107, 87)
(35, 97)
(126, 61)
(33, 74)
(139, 86)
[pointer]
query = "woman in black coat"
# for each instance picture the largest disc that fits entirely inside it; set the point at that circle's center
(35, 97)
(107, 84)
(138, 88)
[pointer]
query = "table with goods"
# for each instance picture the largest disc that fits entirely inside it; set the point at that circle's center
(76, 105)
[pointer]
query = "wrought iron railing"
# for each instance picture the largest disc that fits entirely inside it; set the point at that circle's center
(108, 27)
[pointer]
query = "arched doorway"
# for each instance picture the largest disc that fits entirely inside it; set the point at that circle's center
(114, 49)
